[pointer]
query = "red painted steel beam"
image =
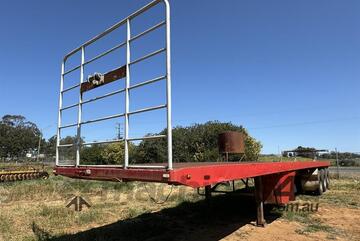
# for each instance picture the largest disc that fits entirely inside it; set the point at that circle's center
(112, 174)
(189, 174)
(200, 176)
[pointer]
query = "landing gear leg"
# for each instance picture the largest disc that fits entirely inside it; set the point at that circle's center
(260, 220)
(207, 193)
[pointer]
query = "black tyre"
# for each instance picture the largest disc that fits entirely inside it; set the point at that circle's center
(327, 178)
(323, 179)
(320, 189)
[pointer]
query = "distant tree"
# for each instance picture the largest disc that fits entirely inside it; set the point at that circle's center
(17, 136)
(66, 153)
(196, 143)
(113, 153)
(93, 154)
(341, 155)
(49, 146)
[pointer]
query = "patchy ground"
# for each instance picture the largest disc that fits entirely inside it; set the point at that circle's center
(329, 223)
(35, 210)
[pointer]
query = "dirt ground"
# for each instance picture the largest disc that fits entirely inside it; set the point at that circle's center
(36, 210)
(342, 221)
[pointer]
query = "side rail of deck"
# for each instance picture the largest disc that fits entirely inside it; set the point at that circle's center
(122, 72)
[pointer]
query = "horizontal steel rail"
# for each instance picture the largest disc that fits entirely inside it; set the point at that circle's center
(146, 138)
(69, 107)
(84, 165)
(147, 82)
(121, 44)
(148, 30)
(146, 166)
(116, 115)
(102, 118)
(66, 145)
(101, 142)
(66, 165)
(103, 96)
(147, 56)
(105, 53)
(67, 126)
(147, 109)
(70, 88)
(92, 143)
(72, 70)
(115, 26)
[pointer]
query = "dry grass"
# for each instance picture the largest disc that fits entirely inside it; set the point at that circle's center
(35, 210)
(40, 205)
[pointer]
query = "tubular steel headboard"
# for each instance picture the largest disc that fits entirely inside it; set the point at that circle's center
(122, 72)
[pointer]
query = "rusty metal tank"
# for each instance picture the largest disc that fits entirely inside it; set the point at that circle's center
(231, 142)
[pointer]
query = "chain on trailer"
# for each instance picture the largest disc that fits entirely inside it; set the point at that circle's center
(120, 73)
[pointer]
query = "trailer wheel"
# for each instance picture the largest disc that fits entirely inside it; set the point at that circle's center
(323, 180)
(320, 189)
(327, 178)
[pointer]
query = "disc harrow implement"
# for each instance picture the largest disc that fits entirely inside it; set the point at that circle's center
(11, 174)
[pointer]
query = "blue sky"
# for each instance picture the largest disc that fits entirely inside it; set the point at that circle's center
(288, 71)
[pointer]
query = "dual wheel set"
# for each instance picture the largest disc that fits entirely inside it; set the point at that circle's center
(324, 180)
(317, 181)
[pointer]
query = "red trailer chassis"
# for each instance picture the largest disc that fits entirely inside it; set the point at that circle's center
(274, 181)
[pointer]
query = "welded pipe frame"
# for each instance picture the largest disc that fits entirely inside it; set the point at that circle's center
(129, 39)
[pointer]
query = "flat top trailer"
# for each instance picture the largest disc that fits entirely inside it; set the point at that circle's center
(192, 174)
(274, 182)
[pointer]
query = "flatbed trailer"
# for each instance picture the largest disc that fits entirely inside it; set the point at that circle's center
(275, 182)
(192, 174)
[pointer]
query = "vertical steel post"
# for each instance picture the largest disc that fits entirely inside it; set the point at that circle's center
(127, 98)
(58, 137)
(168, 85)
(78, 144)
(260, 220)
(337, 163)
(39, 146)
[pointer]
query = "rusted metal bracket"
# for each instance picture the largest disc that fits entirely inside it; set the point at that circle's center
(98, 79)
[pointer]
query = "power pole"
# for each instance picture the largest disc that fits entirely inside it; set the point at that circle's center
(337, 163)
(39, 146)
(118, 131)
